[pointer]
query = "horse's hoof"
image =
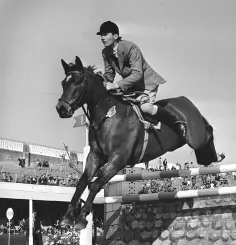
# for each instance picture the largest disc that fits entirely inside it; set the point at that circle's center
(220, 157)
(66, 221)
(80, 224)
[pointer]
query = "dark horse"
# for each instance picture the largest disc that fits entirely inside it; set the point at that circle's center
(117, 140)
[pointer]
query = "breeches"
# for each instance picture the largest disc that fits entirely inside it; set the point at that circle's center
(147, 100)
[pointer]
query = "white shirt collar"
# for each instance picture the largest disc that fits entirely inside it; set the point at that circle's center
(115, 50)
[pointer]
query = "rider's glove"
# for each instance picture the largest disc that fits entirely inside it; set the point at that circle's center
(111, 86)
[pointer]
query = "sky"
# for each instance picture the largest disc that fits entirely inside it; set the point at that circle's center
(191, 43)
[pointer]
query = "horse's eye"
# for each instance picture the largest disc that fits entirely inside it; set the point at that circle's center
(77, 82)
(80, 80)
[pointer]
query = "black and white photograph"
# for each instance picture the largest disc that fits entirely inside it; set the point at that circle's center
(117, 122)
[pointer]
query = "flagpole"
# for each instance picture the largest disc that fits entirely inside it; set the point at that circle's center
(86, 234)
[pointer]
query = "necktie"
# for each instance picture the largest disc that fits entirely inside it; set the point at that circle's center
(115, 59)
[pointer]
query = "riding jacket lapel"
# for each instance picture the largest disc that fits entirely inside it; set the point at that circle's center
(111, 59)
(120, 54)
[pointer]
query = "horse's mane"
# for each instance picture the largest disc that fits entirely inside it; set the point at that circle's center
(92, 68)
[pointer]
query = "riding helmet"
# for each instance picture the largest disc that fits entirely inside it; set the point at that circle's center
(108, 27)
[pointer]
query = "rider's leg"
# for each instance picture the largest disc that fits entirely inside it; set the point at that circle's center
(161, 114)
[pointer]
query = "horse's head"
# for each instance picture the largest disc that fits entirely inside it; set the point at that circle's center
(74, 89)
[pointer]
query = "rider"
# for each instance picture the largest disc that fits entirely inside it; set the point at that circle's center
(125, 58)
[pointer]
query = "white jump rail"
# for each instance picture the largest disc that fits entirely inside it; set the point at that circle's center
(173, 173)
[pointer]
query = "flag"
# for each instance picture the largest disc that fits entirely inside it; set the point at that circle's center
(80, 121)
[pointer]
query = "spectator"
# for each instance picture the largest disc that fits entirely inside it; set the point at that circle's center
(45, 164)
(34, 179)
(37, 229)
(9, 178)
(21, 162)
(165, 164)
(37, 232)
(179, 165)
(4, 177)
(159, 163)
(186, 165)
(43, 180)
(63, 157)
(38, 164)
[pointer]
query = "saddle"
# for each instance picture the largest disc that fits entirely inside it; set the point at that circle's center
(131, 97)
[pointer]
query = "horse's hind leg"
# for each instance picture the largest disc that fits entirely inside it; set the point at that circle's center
(113, 166)
(92, 164)
(207, 153)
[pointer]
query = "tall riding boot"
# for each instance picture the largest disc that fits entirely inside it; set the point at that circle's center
(171, 120)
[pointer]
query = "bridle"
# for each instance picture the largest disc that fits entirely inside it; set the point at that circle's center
(77, 102)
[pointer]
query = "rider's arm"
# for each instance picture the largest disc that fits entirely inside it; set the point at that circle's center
(109, 73)
(135, 59)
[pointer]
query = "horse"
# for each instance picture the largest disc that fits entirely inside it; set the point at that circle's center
(116, 135)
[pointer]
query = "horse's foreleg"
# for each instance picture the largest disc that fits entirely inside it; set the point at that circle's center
(92, 164)
(113, 166)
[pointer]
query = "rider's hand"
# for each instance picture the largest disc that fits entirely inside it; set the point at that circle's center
(111, 86)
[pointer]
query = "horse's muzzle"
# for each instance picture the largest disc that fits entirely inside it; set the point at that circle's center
(64, 110)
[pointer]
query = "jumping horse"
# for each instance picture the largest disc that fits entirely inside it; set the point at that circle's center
(116, 135)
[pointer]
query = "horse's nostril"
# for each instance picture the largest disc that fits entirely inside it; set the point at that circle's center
(61, 109)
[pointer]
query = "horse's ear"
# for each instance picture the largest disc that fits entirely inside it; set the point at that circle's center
(78, 64)
(64, 64)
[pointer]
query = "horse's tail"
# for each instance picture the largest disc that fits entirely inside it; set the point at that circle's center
(207, 153)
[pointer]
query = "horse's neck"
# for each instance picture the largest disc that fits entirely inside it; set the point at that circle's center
(101, 101)
(100, 106)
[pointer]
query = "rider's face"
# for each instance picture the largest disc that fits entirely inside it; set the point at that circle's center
(108, 39)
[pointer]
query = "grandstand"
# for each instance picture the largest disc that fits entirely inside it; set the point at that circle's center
(13, 151)
(21, 182)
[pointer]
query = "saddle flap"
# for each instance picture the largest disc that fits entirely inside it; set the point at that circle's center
(130, 97)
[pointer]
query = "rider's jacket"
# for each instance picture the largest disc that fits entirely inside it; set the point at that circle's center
(137, 74)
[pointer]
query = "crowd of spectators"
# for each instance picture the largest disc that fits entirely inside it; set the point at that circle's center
(39, 164)
(185, 183)
(41, 174)
(55, 234)
(6, 177)
(149, 186)
(69, 179)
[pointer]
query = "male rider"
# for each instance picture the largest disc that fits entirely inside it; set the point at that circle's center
(125, 58)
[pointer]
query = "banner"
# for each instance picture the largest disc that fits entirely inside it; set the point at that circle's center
(45, 151)
(11, 145)
(36, 149)
(80, 121)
